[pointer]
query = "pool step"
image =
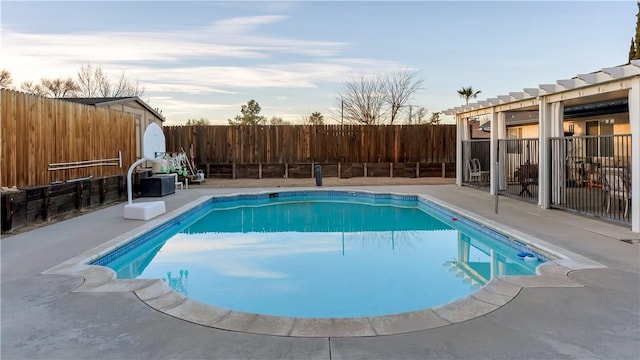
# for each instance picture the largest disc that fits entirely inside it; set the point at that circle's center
(159, 295)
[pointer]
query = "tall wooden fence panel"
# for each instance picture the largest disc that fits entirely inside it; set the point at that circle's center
(320, 144)
(36, 131)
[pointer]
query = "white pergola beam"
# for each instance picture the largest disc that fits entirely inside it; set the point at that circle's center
(517, 95)
(589, 78)
(563, 89)
(615, 72)
(551, 88)
(572, 83)
(533, 92)
(622, 71)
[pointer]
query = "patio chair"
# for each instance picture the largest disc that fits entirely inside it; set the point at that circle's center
(617, 188)
(484, 174)
(476, 175)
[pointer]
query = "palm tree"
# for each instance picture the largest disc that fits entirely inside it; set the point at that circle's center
(467, 92)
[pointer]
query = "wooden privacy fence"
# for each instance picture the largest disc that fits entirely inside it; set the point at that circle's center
(37, 133)
(317, 144)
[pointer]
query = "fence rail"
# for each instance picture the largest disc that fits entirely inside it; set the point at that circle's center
(320, 144)
(591, 175)
(37, 131)
(520, 168)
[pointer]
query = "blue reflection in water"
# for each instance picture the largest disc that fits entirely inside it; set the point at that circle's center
(323, 259)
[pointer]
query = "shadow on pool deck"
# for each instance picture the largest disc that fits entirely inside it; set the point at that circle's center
(43, 316)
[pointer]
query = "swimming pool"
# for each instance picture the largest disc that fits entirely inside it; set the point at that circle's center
(475, 253)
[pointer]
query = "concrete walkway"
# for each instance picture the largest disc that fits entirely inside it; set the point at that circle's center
(44, 317)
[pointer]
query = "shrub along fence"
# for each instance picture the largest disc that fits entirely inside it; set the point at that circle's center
(292, 150)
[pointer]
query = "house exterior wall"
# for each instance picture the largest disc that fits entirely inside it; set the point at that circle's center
(620, 123)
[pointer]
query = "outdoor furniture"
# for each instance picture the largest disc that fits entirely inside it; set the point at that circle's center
(178, 182)
(476, 174)
(527, 174)
(617, 187)
(158, 185)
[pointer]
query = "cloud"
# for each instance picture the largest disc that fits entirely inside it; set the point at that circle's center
(238, 25)
(158, 58)
(181, 70)
(245, 255)
(182, 87)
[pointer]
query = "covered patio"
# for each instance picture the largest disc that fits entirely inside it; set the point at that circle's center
(566, 145)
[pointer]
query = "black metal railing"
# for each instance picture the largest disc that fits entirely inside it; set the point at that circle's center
(476, 163)
(591, 175)
(519, 168)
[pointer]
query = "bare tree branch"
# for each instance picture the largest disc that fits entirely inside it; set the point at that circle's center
(374, 99)
(5, 79)
(30, 88)
(400, 86)
(363, 100)
(59, 88)
(93, 82)
(86, 81)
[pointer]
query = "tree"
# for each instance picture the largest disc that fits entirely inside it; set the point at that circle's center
(278, 121)
(31, 88)
(363, 100)
(249, 115)
(377, 98)
(57, 88)
(315, 118)
(467, 93)
(5, 79)
(60, 88)
(416, 116)
(634, 50)
(197, 122)
(93, 82)
(399, 87)
(434, 119)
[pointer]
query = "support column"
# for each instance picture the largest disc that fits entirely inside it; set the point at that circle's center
(493, 152)
(544, 125)
(558, 156)
(462, 128)
(501, 128)
(634, 122)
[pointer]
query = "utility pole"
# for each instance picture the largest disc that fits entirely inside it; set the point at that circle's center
(341, 113)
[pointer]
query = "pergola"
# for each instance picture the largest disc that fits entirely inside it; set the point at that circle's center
(550, 100)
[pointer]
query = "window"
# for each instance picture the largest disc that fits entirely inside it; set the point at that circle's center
(602, 145)
(514, 145)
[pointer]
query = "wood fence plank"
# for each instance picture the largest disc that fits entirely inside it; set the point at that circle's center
(323, 144)
(38, 131)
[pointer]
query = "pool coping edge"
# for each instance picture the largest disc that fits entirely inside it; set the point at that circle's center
(159, 296)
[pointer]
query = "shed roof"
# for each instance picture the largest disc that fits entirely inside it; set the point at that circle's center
(106, 101)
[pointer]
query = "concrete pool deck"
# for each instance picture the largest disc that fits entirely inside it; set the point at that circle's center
(45, 316)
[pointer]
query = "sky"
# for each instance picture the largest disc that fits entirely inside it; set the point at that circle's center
(205, 59)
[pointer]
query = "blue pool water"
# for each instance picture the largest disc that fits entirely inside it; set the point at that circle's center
(321, 254)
